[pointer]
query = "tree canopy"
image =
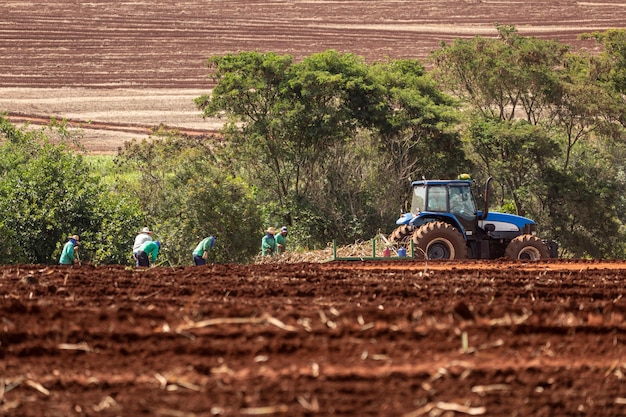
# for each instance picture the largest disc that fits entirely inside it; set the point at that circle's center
(48, 192)
(317, 137)
(188, 192)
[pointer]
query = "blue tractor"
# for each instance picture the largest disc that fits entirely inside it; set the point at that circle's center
(445, 223)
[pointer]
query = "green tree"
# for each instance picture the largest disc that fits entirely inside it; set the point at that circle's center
(610, 64)
(283, 118)
(418, 136)
(581, 203)
(518, 154)
(506, 78)
(512, 78)
(315, 137)
(419, 131)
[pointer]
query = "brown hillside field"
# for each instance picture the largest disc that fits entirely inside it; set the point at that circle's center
(120, 69)
(341, 338)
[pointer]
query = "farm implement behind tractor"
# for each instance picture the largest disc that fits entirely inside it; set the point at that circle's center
(378, 248)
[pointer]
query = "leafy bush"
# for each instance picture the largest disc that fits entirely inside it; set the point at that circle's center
(48, 192)
(188, 193)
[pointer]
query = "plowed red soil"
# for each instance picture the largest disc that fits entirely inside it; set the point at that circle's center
(301, 339)
(341, 338)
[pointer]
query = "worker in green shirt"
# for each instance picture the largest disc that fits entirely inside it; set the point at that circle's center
(201, 252)
(281, 240)
(148, 252)
(268, 243)
(70, 251)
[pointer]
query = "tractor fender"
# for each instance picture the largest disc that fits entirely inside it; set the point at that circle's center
(405, 218)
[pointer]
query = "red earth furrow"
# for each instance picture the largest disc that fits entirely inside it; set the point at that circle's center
(179, 36)
(340, 338)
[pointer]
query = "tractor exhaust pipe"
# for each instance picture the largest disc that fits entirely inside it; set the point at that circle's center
(486, 211)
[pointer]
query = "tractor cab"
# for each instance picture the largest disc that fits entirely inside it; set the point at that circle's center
(452, 198)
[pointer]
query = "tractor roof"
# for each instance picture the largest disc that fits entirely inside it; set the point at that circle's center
(442, 182)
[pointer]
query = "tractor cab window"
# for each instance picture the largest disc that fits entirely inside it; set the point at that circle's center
(418, 200)
(437, 198)
(461, 202)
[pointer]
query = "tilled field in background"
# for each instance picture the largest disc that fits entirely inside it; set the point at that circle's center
(394, 338)
(128, 67)
(143, 44)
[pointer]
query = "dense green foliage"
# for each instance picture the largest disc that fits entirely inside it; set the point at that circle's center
(187, 193)
(47, 193)
(548, 124)
(328, 146)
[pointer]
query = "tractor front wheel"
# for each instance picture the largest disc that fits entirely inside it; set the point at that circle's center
(527, 247)
(401, 235)
(439, 240)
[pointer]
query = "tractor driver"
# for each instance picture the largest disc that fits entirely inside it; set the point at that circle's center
(437, 198)
(461, 202)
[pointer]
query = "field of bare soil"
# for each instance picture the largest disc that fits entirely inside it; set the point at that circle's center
(120, 69)
(394, 338)
(341, 338)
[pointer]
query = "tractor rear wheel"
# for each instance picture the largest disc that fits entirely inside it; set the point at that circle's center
(439, 240)
(401, 235)
(527, 247)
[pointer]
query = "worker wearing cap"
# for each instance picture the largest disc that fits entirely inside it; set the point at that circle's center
(144, 236)
(268, 243)
(148, 252)
(281, 240)
(201, 252)
(69, 253)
